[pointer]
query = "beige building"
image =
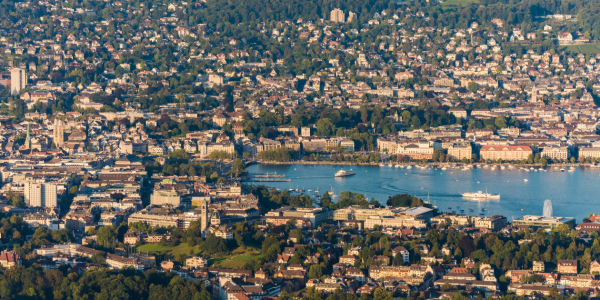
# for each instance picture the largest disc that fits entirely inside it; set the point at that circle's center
(40, 194)
(539, 266)
(458, 112)
(160, 197)
(460, 151)
(589, 152)
(555, 152)
(356, 212)
(337, 15)
(119, 262)
(395, 222)
(196, 262)
(494, 223)
(206, 149)
(18, 80)
(505, 152)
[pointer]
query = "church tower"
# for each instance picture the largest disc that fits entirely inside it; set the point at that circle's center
(28, 139)
(59, 133)
(534, 95)
(204, 216)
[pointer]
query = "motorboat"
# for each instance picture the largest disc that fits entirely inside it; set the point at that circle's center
(342, 173)
(481, 195)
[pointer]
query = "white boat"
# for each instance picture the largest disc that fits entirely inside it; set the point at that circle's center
(342, 173)
(481, 195)
(397, 166)
(381, 165)
(571, 169)
(390, 165)
(409, 167)
(562, 170)
(444, 169)
(525, 180)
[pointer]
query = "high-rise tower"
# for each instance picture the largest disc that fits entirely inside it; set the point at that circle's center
(18, 80)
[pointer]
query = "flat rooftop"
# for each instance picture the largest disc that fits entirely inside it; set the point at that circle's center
(542, 219)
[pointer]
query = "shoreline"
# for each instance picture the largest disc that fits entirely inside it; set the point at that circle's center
(457, 164)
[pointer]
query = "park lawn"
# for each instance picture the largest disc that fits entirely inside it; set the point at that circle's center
(237, 259)
(585, 49)
(455, 2)
(157, 248)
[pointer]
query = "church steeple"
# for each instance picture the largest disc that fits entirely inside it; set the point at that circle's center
(28, 139)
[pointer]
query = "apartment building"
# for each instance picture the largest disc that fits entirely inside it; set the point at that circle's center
(460, 151)
(119, 262)
(493, 223)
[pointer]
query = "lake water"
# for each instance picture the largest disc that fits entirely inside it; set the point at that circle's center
(573, 194)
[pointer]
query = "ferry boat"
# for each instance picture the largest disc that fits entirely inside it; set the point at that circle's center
(481, 195)
(342, 173)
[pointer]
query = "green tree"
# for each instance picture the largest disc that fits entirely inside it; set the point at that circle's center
(472, 87)
(106, 235)
(325, 127)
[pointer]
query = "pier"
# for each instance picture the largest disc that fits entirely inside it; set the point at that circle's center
(268, 176)
(269, 180)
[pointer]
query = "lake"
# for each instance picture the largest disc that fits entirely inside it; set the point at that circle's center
(573, 194)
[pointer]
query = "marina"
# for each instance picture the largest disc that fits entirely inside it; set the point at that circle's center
(523, 190)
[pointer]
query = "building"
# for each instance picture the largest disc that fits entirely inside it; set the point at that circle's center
(493, 223)
(196, 262)
(567, 266)
(458, 112)
(543, 222)
(40, 194)
(556, 152)
(18, 80)
(314, 215)
(8, 259)
(460, 151)
(160, 197)
(505, 152)
(539, 266)
(593, 152)
(119, 262)
(530, 289)
(595, 267)
(305, 131)
(337, 15)
(402, 251)
(58, 133)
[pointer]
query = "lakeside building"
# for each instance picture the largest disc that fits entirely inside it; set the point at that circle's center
(543, 222)
(460, 151)
(505, 152)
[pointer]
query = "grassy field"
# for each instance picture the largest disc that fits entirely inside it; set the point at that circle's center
(156, 248)
(236, 259)
(455, 2)
(585, 49)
